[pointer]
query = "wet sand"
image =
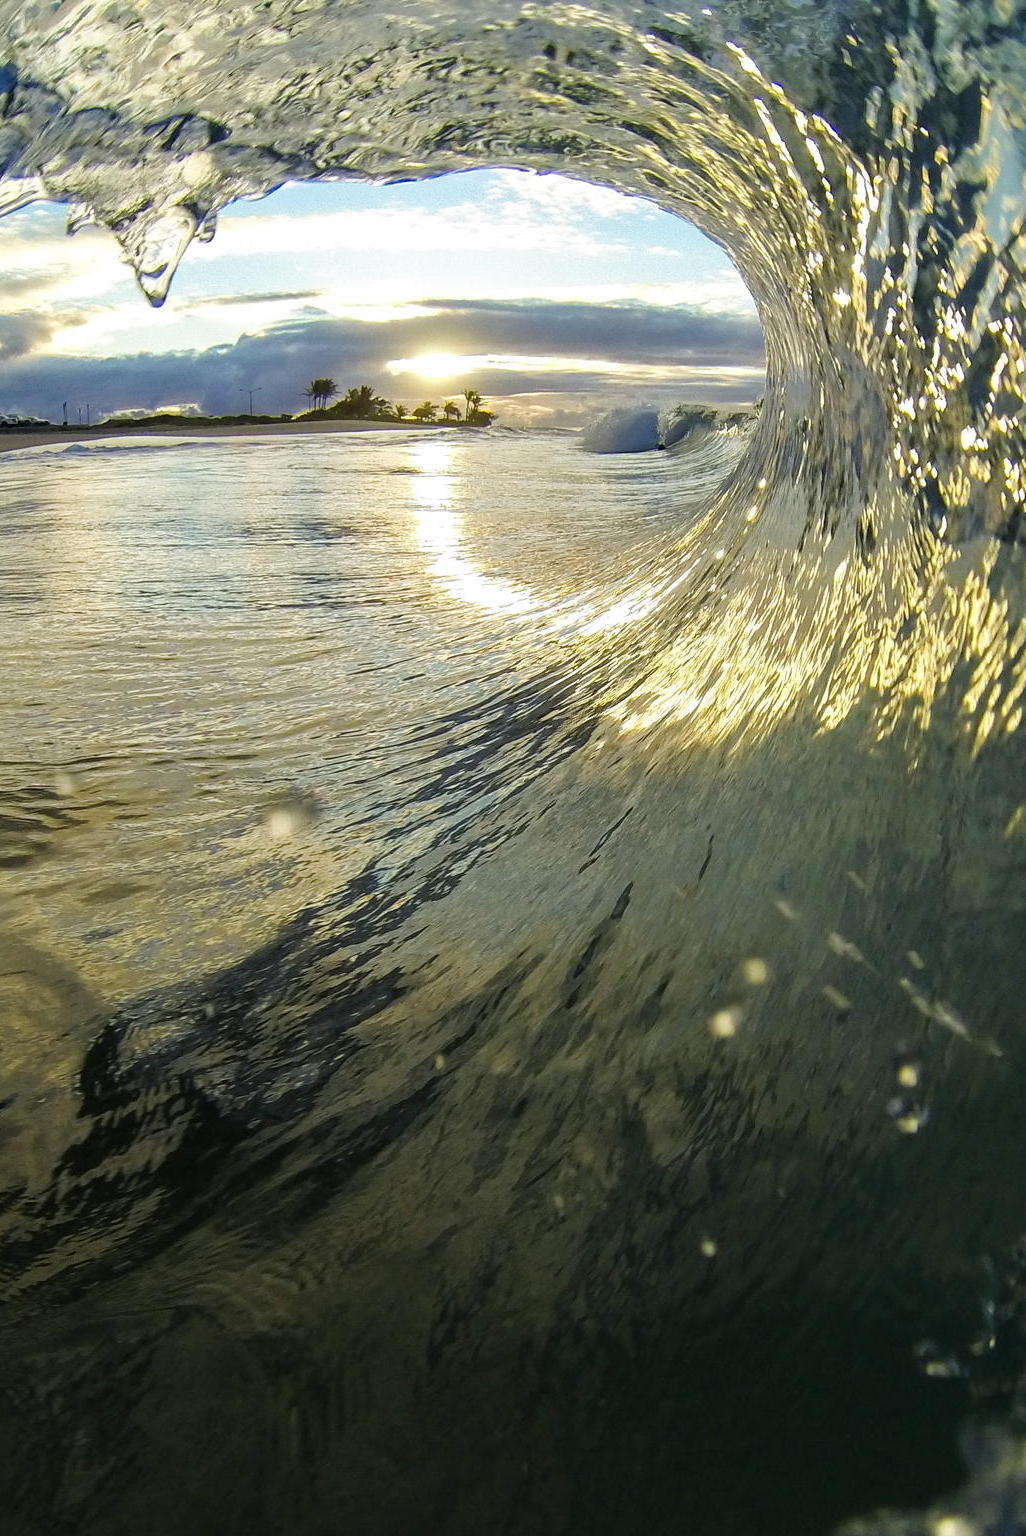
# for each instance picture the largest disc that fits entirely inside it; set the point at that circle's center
(45, 436)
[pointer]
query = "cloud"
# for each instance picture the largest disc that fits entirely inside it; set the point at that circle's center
(643, 333)
(555, 196)
(23, 333)
(514, 239)
(23, 286)
(35, 258)
(520, 212)
(584, 347)
(217, 300)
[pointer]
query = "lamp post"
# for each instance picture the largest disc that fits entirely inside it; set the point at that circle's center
(250, 392)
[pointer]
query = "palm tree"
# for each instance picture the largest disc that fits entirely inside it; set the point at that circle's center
(473, 400)
(425, 412)
(400, 411)
(451, 410)
(362, 402)
(320, 391)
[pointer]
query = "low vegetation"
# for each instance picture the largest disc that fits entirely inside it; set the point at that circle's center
(360, 403)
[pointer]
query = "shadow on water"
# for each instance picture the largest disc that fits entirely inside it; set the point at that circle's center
(552, 1255)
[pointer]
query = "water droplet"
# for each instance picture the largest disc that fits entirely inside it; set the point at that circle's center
(80, 216)
(154, 243)
(64, 783)
(755, 971)
(207, 229)
(18, 191)
(708, 1248)
(440, 1062)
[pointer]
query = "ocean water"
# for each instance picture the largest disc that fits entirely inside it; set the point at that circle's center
(514, 959)
(244, 672)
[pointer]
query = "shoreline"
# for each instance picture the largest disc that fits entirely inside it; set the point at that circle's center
(47, 436)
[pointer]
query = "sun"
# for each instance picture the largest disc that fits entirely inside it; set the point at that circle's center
(438, 365)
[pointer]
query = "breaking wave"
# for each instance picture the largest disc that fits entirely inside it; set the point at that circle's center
(634, 1143)
(624, 430)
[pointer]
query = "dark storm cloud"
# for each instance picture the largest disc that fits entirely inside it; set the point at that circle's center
(279, 360)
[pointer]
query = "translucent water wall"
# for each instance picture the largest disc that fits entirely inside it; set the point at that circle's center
(717, 930)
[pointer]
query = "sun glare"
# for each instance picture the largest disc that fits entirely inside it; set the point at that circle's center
(436, 365)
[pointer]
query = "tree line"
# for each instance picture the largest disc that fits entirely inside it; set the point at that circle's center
(362, 404)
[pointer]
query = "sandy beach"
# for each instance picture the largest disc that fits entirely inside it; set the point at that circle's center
(40, 439)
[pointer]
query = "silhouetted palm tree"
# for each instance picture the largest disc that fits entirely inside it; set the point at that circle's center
(362, 402)
(450, 410)
(426, 411)
(320, 391)
(473, 400)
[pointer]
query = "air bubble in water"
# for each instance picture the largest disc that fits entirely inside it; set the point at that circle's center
(837, 999)
(909, 1115)
(933, 1362)
(844, 947)
(724, 1023)
(288, 816)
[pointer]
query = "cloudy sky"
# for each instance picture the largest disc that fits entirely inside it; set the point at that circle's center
(551, 297)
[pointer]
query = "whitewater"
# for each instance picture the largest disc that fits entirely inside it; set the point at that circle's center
(512, 958)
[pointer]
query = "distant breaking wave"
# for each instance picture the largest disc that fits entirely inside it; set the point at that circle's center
(624, 430)
(643, 429)
(667, 1091)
